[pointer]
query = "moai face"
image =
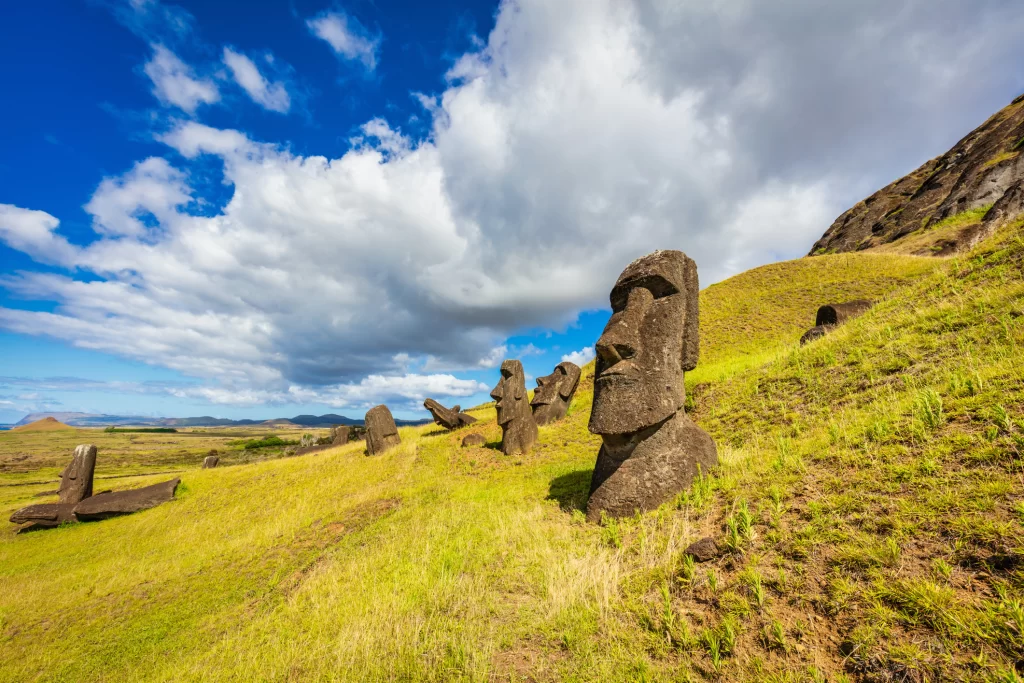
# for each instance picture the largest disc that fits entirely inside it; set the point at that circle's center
(553, 393)
(647, 345)
(442, 416)
(510, 393)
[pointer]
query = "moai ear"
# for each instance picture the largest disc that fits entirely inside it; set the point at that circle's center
(520, 388)
(569, 385)
(691, 333)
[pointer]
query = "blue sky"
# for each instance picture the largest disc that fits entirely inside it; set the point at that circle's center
(256, 211)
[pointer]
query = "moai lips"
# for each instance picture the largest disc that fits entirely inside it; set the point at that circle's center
(518, 428)
(554, 392)
(651, 450)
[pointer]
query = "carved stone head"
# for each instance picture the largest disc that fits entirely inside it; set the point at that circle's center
(554, 392)
(76, 479)
(518, 428)
(381, 431)
(449, 419)
(510, 393)
(647, 345)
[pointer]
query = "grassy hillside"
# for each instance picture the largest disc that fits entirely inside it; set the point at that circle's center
(871, 497)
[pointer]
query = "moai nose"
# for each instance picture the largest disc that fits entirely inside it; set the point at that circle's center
(621, 339)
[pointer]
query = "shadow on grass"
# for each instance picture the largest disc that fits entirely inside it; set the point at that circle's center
(571, 490)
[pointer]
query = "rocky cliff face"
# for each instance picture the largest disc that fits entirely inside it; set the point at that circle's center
(949, 204)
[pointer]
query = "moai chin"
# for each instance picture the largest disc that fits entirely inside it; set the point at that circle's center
(76, 479)
(651, 450)
(554, 392)
(381, 431)
(449, 419)
(518, 428)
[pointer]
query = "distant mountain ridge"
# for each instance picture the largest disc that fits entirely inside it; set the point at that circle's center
(98, 420)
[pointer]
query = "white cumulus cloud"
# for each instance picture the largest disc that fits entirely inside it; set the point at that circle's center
(581, 357)
(347, 37)
(272, 96)
(175, 83)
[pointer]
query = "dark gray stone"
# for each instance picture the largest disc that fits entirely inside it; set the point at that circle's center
(118, 503)
(450, 419)
(381, 432)
(518, 428)
(651, 450)
(43, 516)
(816, 332)
(554, 393)
(76, 479)
(837, 314)
(474, 440)
(704, 550)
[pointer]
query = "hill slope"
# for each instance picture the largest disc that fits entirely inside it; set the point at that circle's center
(870, 498)
(947, 205)
(47, 424)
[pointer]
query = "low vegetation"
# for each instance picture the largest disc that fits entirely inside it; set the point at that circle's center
(870, 504)
(141, 430)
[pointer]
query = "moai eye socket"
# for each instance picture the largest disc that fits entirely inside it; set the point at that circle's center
(658, 286)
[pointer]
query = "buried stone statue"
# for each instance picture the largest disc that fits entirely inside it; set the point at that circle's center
(651, 449)
(518, 428)
(381, 431)
(554, 392)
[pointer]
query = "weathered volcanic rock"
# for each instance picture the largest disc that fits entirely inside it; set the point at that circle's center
(43, 516)
(76, 479)
(983, 170)
(381, 432)
(816, 332)
(651, 450)
(448, 418)
(518, 428)
(474, 440)
(554, 392)
(210, 461)
(704, 550)
(118, 503)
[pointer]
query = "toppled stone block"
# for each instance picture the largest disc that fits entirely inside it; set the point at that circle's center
(450, 419)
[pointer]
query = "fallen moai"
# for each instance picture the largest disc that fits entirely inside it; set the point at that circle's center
(381, 431)
(554, 392)
(651, 449)
(518, 428)
(830, 316)
(77, 503)
(449, 419)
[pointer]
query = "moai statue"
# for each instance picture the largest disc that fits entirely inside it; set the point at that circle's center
(449, 419)
(651, 450)
(554, 392)
(831, 316)
(210, 461)
(518, 428)
(339, 435)
(76, 479)
(381, 432)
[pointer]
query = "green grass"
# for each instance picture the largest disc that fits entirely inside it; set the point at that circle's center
(870, 493)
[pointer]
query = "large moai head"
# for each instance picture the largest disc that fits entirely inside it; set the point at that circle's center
(449, 419)
(76, 479)
(554, 392)
(647, 345)
(381, 431)
(519, 430)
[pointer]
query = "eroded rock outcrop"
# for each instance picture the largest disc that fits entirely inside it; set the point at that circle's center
(554, 393)
(651, 449)
(381, 431)
(518, 428)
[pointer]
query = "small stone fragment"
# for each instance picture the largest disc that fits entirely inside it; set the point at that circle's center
(704, 550)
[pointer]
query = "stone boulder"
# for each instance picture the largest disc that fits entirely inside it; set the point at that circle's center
(76, 479)
(473, 440)
(118, 503)
(381, 431)
(449, 419)
(518, 428)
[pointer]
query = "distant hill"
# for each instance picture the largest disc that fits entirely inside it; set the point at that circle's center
(47, 424)
(949, 204)
(96, 420)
